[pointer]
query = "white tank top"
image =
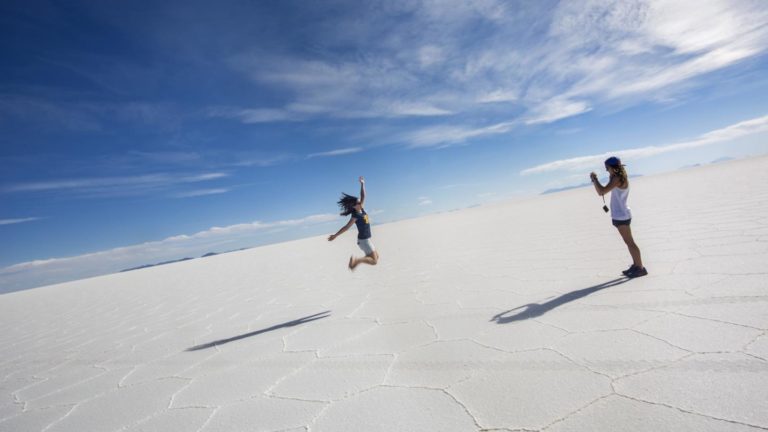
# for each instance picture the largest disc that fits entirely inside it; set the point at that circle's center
(619, 208)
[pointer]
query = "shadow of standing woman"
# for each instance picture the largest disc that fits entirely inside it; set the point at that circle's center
(533, 310)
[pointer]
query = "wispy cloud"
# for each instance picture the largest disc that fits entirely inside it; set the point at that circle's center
(256, 226)
(254, 115)
(338, 152)
(726, 134)
(54, 270)
(530, 65)
(300, 111)
(201, 192)
(442, 136)
(425, 201)
(103, 186)
(17, 221)
(556, 109)
(649, 45)
(247, 160)
(415, 109)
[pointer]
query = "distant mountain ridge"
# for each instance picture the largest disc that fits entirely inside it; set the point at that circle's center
(156, 264)
(718, 160)
(565, 188)
(209, 254)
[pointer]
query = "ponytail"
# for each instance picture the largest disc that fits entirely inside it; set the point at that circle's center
(622, 173)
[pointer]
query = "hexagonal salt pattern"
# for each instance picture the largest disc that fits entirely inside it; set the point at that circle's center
(262, 413)
(617, 413)
(174, 419)
(731, 387)
(388, 409)
(618, 352)
(759, 347)
(529, 390)
(34, 419)
(236, 382)
(442, 364)
(333, 378)
(120, 407)
(699, 335)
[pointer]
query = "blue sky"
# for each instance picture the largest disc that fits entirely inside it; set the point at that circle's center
(137, 132)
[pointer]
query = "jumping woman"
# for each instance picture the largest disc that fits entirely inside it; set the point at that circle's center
(350, 205)
(618, 186)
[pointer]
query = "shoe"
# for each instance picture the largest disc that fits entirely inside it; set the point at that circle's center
(629, 270)
(637, 272)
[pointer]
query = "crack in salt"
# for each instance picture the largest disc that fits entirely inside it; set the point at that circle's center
(688, 411)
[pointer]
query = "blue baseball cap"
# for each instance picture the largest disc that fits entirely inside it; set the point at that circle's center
(613, 161)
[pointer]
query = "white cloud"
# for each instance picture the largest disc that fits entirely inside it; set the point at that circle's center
(745, 128)
(529, 65)
(113, 186)
(648, 46)
(496, 96)
(201, 192)
(251, 115)
(40, 272)
(264, 115)
(201, 177)
(425, 201)
(246, 160)
(557, 109)
(692, 26)
(430, 55)
(411, 109)
(17, 221)
(447, 135)
(337, 152)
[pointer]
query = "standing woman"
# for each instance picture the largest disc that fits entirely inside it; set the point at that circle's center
(618, 186)
(350, 205)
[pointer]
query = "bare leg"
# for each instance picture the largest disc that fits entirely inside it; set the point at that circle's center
(626, 235)
(370, 259)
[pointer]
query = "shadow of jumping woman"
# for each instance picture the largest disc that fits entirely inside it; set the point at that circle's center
(293, 323)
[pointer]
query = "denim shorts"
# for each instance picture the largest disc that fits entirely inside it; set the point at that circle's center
(618, 223)
(366, 245)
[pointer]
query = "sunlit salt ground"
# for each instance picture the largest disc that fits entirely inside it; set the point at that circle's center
(505, 317)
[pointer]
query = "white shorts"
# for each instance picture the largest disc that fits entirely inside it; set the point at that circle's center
(366, 245)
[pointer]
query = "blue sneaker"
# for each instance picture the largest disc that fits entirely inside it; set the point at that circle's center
(637, 272)
(629, 270)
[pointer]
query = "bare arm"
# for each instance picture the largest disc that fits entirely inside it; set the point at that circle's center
(362, 191)
(599, 188)
(342, 230)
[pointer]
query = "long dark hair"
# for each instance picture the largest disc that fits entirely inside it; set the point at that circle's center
(347, 204)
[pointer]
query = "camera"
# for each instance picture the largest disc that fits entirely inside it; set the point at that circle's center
(605, 208)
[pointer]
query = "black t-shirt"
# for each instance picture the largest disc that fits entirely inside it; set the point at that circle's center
(363, 225)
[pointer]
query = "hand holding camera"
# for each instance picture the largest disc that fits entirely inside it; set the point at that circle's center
(593, 177)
